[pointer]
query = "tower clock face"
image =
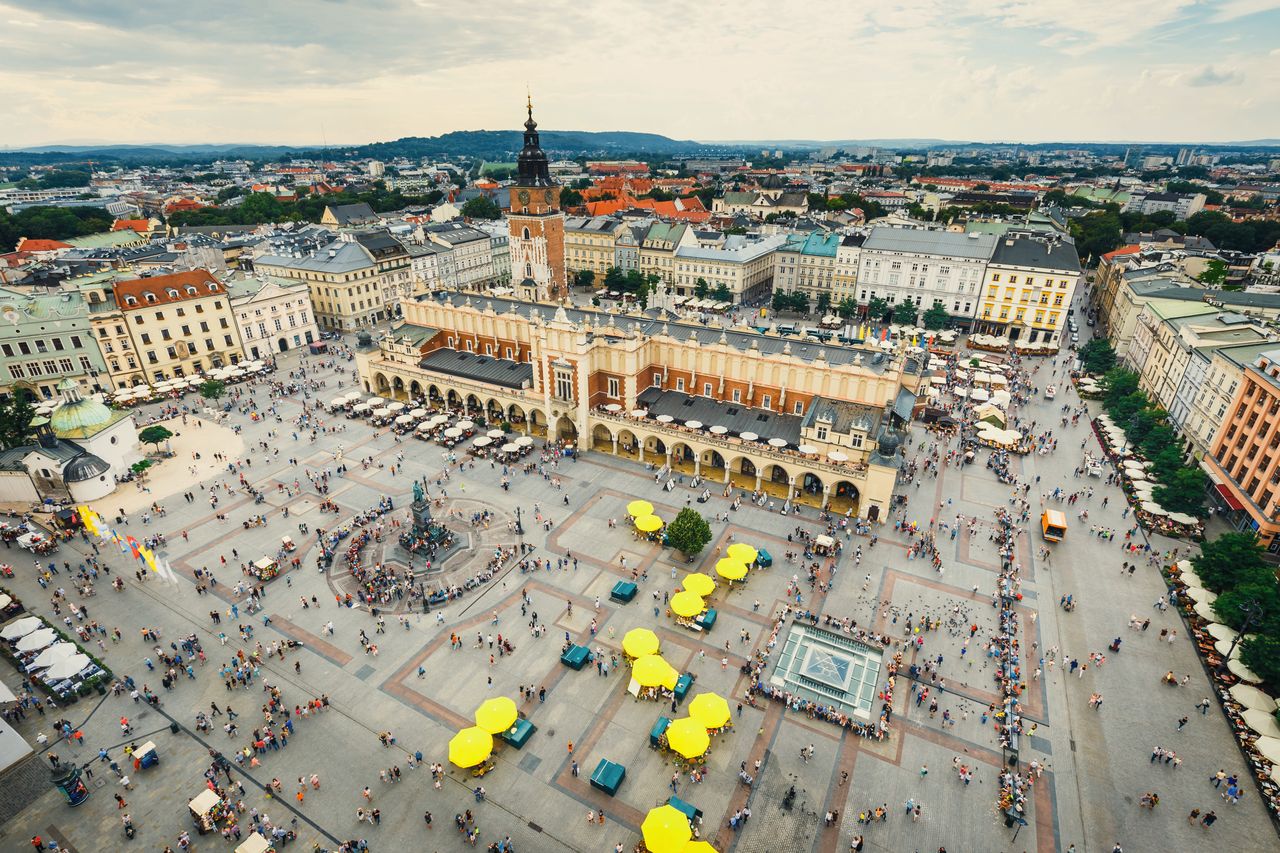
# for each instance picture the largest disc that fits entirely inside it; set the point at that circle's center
(546, 196)
(523, 196)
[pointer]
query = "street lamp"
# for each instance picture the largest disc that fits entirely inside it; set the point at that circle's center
(519, 526)
(1252, 611)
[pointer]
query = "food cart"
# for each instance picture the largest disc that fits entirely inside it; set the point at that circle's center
(287, 545)
(255, 843)
(37, 543)
(146, 756)
(206, 809)
(265, 568)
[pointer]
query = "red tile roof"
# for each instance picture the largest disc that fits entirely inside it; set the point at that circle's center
(28, 244)
(1124, 250)
(142, 226)
(165, 289)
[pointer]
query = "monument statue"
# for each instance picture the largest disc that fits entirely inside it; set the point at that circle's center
(418, 494)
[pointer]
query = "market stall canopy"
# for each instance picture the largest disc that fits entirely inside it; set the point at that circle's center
(465, 424)
(688, 737)
(666, 830)
(482, 441)
(1204, 611)
(1268, 748)
(1262, 722)
(21, 627)
(1201, 594)
(648, 523)
(1183, 518)
(1136, 473)
(639, 642)
(1224, 648)
(255, 843)
(1153, 508)
(710, 709)
(1190, 578)
(37, 640)
(68, 667)
(653, 671)
(743, 552)
(510, 447)
(470, 746)
(1222, 632)
(637, 508)
(53, 654)
(496, 715)
(686, 603)
(700, 584)
(204, 802)
(731, 569)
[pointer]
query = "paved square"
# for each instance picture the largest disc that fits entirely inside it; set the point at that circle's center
(421, 687)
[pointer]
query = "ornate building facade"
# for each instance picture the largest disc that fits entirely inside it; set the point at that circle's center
(796, 420)
(536, 224)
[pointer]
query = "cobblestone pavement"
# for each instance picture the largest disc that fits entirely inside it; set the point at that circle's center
(1096, 762)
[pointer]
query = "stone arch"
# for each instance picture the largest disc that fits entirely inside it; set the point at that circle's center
(454, 399)
(654, 444)
(415, 389)
(566, 429)
(515, 414)
(493, 411)
(742, 472)
(844, 497)
(381, 384)
(810, 489)
(537, 422)
(713, 465)
(474, 406)
(683, 457)
(628, 444)
(397, 388)
(601, 438)
(434, 395)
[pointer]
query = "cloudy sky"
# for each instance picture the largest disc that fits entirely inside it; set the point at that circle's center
(342, 71)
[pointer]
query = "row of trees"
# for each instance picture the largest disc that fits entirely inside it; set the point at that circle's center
(1146, 427)
(1248, 599)
(51, 223)
(1101, 231)
(259, 208)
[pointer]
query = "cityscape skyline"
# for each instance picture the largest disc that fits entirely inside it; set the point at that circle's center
(301, 75)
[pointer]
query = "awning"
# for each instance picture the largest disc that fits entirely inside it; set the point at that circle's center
(1224, 492)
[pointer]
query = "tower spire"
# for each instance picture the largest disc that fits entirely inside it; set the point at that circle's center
(529, 101)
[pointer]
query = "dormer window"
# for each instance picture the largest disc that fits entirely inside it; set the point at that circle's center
(173, 294)
(130, 300)
(191, 291)
(213, 288)
(150, 297)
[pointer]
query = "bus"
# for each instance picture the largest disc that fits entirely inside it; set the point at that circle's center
(1053, 525)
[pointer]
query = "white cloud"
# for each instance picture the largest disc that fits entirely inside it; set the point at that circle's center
(1210, 76)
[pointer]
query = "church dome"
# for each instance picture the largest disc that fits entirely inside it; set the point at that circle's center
(83, 468)
(888, 444)
(78, 415)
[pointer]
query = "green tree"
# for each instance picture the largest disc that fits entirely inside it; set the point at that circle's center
(824, 302)
(614, 279)
(481, 207)
(878, 309)
(904, 312)
(847, 307)
(1258, 588)
(688, 532)
(1097, 356)
(154, 434)
(1261, 653)
(570, 197)
(1182, 491)
(722, 293)
(585, 278)
(781, 301)
(1214, 274)
(212, 389)
(16, 414)
(936, 317)
(700, 288)
(1096, 234)
(1222, 562)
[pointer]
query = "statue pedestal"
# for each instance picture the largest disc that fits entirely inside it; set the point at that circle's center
(428, 539)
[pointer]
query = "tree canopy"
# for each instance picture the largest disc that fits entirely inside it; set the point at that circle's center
(51, 223)
(936, 317)
(482, 207)
(688, 532)
(212, 389)
(1097, 356)
(154, 434)
(16, 413)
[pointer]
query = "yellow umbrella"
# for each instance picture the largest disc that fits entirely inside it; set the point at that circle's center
(731, 569)
(648, 523)
(496, 715)
(666, 830)
(742, 552)
(710, 709)
(688, 737)
(686, 603)
(700, 584)
(470, 746)
(698, 847)
(639, 642)
(653, 671)
(635, 509)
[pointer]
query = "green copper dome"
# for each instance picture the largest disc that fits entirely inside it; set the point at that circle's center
(79, 417)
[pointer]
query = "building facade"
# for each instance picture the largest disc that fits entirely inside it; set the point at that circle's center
(468, 263)
(179, 325)
(1244, 463)
(272, 315)
(537, 240)
(572, 374)
(48, 338)
(1027, 287)
(806, 263)
(590, 243)
(744, 268)
(924, 267)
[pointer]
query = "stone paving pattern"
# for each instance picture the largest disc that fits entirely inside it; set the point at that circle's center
(1097, 762)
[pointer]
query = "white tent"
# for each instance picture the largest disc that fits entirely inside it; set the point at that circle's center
(68, 667)
(21, 627)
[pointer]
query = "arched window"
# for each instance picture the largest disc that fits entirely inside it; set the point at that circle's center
(525, 234)
(528, 270)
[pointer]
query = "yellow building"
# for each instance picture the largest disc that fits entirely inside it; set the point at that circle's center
(1028, 286)
(179, 325)
(590, 244)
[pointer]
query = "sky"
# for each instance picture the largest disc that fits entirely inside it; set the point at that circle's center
(310, 72)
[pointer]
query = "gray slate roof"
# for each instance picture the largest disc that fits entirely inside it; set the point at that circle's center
(734, 417)
(481, 368)
(918, 241)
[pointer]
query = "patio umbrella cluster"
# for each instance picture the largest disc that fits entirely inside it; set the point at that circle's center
(474, 744)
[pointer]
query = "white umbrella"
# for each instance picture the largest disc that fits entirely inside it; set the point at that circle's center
(453, 432)
(482, 441)
(403, 420)
(53, 654)
(352, 396)
(5, 601)
(807, 449)
(719, 430)
(1183, 518)
(639, 413)
(1222, 632)
(1204, 611)
(510, 447)
(337, 402)
(495, 434)
(68, 667)
(613, 407)
(419, 413)
(1261, 722)
(1136, 473)
(693, 424)
(1224, 649)
(1242, 672)
(37, 640)
(1183, 565)
(359, 408)
(777, 442)
(397, 406)
(837, 456)
(665, 419)
(466, 424)
(1268, 748)
(1153, 508)
(21, 627)
(382, 413)
(524, 441)
(1201, 594)
(375, 402)
(748, 436)
(1251, 697)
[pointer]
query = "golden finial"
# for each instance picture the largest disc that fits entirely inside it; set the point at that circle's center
(529, 101)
